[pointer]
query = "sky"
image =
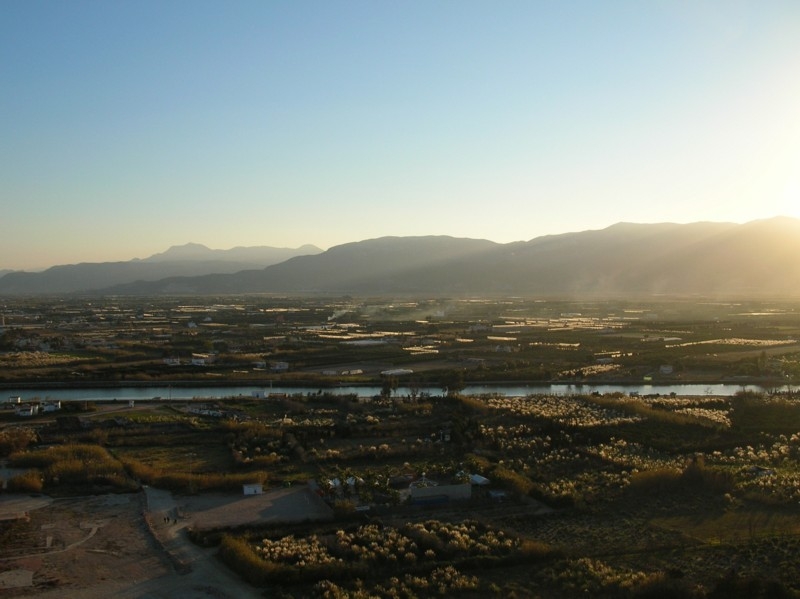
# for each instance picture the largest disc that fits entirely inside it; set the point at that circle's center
(127, 127)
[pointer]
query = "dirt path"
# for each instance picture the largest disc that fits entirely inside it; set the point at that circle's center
(198, 568)
(79, 547)
(135, 546)
(99, 547)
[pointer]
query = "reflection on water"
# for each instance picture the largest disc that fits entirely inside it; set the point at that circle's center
(169, 393)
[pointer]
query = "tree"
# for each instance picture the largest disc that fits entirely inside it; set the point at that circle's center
(390, 384)
(452, 382)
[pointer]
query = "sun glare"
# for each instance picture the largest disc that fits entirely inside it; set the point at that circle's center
(790, 205)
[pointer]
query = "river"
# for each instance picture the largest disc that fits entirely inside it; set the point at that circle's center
(509, 390)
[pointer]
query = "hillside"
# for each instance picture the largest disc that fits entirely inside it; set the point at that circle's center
(756, 258)
(187, 260)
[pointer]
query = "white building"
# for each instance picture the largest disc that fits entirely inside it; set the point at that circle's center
(253, 489)
(27, 410)
(202, 359)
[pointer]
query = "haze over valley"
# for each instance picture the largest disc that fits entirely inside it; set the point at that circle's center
(131, 127)
(423, 299)
(715, 259)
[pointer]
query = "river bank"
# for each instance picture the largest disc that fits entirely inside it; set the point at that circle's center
(181, 393)
(764, 383)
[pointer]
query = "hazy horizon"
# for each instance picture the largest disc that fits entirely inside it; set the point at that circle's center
(298, 246)
(131, 127)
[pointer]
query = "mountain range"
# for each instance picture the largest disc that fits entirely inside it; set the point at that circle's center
(760, 258)
(191, 259)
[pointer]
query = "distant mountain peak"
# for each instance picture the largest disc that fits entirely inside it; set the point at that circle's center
(188, 260)
(261, 254)
(627, 259)
(182, 252)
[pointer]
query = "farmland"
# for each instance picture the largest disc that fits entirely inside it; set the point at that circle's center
(328, 341)
(447, 494)
(641, 494)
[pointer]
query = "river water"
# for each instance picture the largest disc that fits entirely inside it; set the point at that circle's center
(201, 392)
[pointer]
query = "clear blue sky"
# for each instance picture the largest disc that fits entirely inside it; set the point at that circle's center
(130, 126)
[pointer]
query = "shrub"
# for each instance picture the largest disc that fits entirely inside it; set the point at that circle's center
(535, 550)
(660, 586)
(343, 507)
(139, 470)
(519, 483)
(696, 476)
(734, 586)
(75, 464)
(28, 482)
(754, 412)
(15, 439)
(652, 482)
(185, 482)
(699, 476)
(240, 557)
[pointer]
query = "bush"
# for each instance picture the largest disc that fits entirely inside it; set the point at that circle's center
(734, 586)
(28, 482)
(185, 482)
(653, 482)
(698, 476)
(75, 464)
(240, 557)
(660, 586)
(753, 412)
(519, 483)
(15, 439)
(343, 507)
(535, 550)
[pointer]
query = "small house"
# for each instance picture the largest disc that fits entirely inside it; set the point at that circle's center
(253, 489)
(202, 359)
(27, 410)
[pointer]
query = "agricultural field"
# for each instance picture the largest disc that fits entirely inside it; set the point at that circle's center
(602, 495)
(431, 493)
(328, 341)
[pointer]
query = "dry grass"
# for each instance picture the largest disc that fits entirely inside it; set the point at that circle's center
(184, 458)
(33, 359)
(733, 525)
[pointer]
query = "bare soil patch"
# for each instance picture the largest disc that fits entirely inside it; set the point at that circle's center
(73, 545)
(102, 546)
